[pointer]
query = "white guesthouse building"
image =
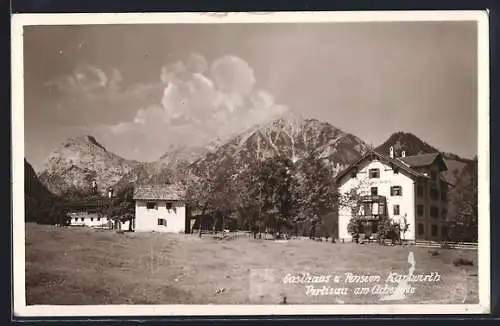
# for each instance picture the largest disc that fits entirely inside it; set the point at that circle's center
(404, 187)
(160, 208)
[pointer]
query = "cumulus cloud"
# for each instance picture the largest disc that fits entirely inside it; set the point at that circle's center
(233, 75)
(200, 101)
(218, 93)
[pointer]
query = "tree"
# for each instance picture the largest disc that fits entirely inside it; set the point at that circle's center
(464, 223)
(355, 227)
(314, 194)
(210, 191)
(353, 202)
(274, 180)
(122, 207)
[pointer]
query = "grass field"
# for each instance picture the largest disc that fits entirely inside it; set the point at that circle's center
(82, 266)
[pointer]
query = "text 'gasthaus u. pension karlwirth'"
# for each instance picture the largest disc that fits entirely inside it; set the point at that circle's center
(392, 277)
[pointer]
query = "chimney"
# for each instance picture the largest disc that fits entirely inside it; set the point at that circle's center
(403, 154)
(391, 152)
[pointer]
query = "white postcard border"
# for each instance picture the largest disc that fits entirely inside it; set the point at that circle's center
(18, 235)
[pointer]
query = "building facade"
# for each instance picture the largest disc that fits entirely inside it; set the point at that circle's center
(409, 189)
(88, 213)
(160, 208)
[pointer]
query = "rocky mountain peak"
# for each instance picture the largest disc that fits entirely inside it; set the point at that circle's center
(83, 140)
(291, 136)
(79, 161)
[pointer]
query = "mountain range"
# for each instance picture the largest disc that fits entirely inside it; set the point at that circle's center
(77, 162)
(35, 193)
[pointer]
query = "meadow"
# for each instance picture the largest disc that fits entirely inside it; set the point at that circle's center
(81, 266)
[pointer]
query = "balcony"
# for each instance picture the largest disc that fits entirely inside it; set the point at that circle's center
(371, 208)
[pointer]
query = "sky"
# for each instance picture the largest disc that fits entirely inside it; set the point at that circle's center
(139, 89)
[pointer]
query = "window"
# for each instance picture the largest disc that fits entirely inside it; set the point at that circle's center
(420, 229)
(81, 219)
(434, 230)
(98, 219)
(162, 221)
(444, 213)
(151, 205)
(434, 194)
(444, 232)
(396, 209)
(434, 212)
(443, 196)
(396, 191)
(76, 219)
(420, 210)
(169, 205)
(374, 191)
(91, 219)
(420, 191)
(374, 173)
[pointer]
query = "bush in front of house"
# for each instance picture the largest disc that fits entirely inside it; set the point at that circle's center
(460, 261)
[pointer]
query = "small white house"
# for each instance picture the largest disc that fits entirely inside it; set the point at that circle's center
(160, 208)
(401, 187)
(86, 213)
(87, 219)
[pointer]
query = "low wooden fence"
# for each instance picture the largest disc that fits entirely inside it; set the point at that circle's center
(454, 245)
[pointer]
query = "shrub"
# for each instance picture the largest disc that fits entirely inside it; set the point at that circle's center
(462, 262)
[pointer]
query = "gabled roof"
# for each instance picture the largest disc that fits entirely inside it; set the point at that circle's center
(159, 192)
(408, 164)
(385, 159)
(421, 160)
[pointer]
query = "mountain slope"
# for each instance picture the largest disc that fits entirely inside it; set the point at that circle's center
(408, 142)
(413, 145)
(78, 161)
(291, 136)
(35, 193)
(170, 167)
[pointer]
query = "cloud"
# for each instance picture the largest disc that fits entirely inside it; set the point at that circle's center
(90, 95)
(219, 94)
(200, 102)
(85, 79)
(233, 75)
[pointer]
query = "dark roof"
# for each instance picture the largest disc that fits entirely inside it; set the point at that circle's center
(391, 161)
(86, 205)
(159, 192)
(420, 160)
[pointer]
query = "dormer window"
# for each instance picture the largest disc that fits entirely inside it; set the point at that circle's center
(374, 173)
